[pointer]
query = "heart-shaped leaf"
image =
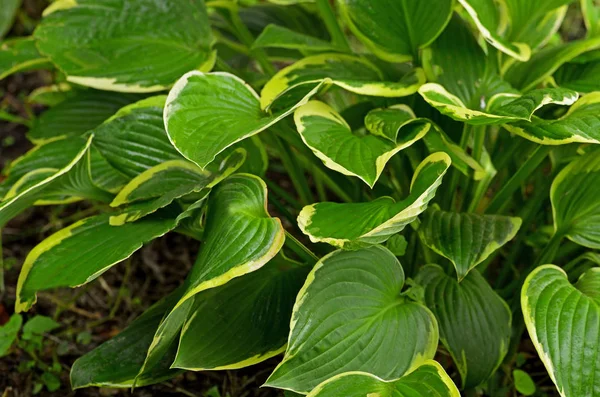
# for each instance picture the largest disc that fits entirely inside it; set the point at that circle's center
(580, 124)
(241, 237)
(162, 184)
(373, 222)
(19, 55)
(126, 45)
(466, 239)
(207, 113)
(501, 109)
(83, 251)
(428, 379)
(469, 305)
(329, 136)
(350, 316)
(116, 362)
(134, 139)
(395, 30)
(349, 72)
(575, 202)
(563, 322)
(260, 303)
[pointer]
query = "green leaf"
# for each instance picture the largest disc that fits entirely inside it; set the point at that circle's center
(373, 222)
(395, 30)
(51, 186)
(126, 45)
(8, 11)
(115, 363)
(134, 140)
(522, 14)
(526, 76)
(470, 77)
(575, 204)
(51, 95)
(260, 303)
(466, 239)
(563, 322)
(579, 124)
(39, 325)
(489, 19)
(51, 382)
(54, 154)
(8, 333)
(74, 116)
(241, 237)
(83, 251)
(19, 55)
(523, 382)
(591, 17)
(328, 135)
(162, 184)
(207, 113)
(349, 72)
(428, 379)
(275, 36)
(350, 316)
(397, 245)
(579, 77)
(400, 120)
(501, 108)
(460, 309)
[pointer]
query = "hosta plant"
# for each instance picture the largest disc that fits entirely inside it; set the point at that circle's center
(393, 197)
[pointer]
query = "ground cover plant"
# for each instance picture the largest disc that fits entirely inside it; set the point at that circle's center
(391, 197)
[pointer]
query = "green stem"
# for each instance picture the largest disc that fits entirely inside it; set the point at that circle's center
(279, 191)
(549, 252)
(337, 35)
(456, 175)
(300, 249)
(295, 171)
(247, 39)
(2, 287)
(504, 195)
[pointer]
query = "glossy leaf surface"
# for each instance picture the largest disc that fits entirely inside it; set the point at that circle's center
(466, 239)
(375, 221)
(428, 379)
(395, 30)
(350, 316)
(331, 139)
(575, 202)
(471, 304)
(564, 324)
(126, 45)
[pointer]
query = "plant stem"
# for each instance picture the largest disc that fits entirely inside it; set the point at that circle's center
(549, 252)
(456, 175)
(533, 161)
(337, 35)
(294, 170)
(300, 249)
(247, 39)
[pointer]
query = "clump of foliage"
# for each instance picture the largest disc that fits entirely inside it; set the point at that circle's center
(375, 185)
